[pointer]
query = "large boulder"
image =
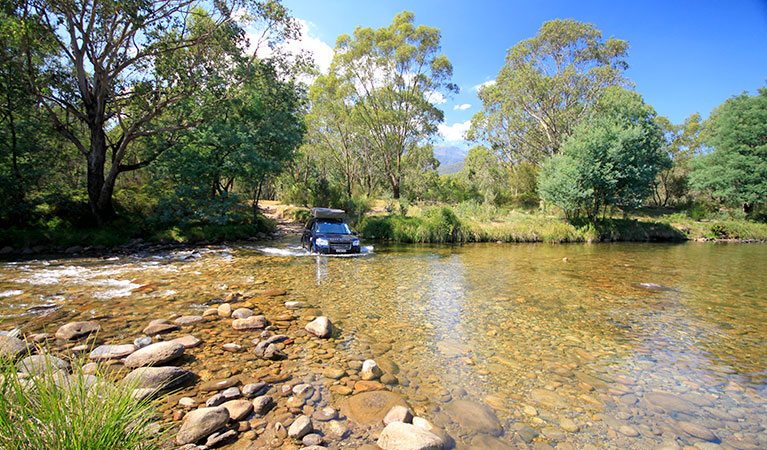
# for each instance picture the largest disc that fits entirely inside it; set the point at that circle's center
(154, 354)
(369, 408)
(474, 417)
(201, 423)
(321, 327)
(404, 436)
(11, 347)
(105, 352)
(158, 378)
(76, 330)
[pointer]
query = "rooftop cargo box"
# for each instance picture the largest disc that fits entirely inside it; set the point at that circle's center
(327, 213)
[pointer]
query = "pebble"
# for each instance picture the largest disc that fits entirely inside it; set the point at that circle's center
(333, 373)
(224, 310)
(370, 370)
(262, 404)
(187, 402)
(569, 425)
(243, 313)
(142, 341)
(231, 347)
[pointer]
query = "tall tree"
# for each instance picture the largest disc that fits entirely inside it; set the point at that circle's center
(680, 144)
(484, 172)
(547, 86)
(121, 65)
(610, 160)
(395, 74)
(735, 173)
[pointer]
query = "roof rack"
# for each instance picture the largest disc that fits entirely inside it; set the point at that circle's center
(328, 213)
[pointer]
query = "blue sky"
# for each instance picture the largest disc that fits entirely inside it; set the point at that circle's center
(684, 56)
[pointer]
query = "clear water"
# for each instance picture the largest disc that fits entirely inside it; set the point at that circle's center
(632, 342)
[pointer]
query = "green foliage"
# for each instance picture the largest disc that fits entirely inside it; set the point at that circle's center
(735, 173)
(609, 161)
(57, 411)
(680, 143)
(548, 85)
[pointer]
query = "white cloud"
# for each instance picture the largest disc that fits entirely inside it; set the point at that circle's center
(454, 132)
(321, 52)
(435, 97)
(485, 84)
(463, 107)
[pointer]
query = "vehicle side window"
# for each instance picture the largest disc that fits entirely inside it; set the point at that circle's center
(316, 227)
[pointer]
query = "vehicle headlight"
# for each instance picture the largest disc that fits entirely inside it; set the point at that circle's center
(355, 243)
(320, 242)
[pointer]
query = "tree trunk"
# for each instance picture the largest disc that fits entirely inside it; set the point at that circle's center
(256, 198)
(99, 190)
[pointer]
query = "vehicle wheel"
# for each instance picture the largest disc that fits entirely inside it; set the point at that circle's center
(313, 249)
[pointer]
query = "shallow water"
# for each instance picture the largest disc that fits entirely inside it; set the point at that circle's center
(631, 342)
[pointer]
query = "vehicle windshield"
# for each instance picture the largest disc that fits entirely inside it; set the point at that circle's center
(332, 228)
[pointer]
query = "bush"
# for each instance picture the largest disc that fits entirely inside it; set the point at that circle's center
(57, 411)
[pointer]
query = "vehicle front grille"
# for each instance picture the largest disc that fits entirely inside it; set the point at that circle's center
(340, 246)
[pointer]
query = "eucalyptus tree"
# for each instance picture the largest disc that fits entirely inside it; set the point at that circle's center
(680, 143)
(122, 65)
(395, 75)
(547, 86)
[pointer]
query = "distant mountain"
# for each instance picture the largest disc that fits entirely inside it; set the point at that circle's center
(448, 155)
(450, 169)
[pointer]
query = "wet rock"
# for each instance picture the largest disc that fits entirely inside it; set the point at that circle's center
(698, 431)
(232, 392)
(216, 400)
(312, 439)
(367, 386)
(529, 411)
(300, 427)
(187, 402)
(220, 438)
(142, 341)
(370, 407)
(231, 347)
(569, 425)
(224, 310)
(159, 328)
(11, 347)
(670, 402)
(250, 323)
(188, 320)
(273, 292)
(335, 429)
(553, 433)
(404, 436)
(295, 305)
(41, 364)
(549, 399)
(76, 330)
(106, 352)
(242, 313)
(628, 430)
(262, 404)
(187, 341)
(473, 417)
(155, 354)
(254, 389)
(160, 378)
(398, 414)
(320, 327)
(238, 409)
(325, 414)
(218, 385)
(389, 379)
(269, 351)
(201, 423)
(370, 370)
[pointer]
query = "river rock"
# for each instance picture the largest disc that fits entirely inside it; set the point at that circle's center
(188, 320)
(76, 330)
(187, 341)
(670, 402)
(295, 305)
(217, 385)
(269, 351)
(232, 347)
(160, 378)
(398, 414)
(143, 341)
(216, 400)
(11, 347)
(224, 310)
(238, 409)
(159, 328)
(41, 364)
(368, 408)
(333, 373)
(486, 442)
(548, 399)
(300, 427)
(569, 425)
(370, 370)
(254, 389)
(698, 431)
(273, 292)
(473, 417)
(404, 436)
(201, 423)
(321, 327)
(243, 313)
(220, 438)
(106, 352)
(155, 354)
(262, 404)
(325, 414)
(250, 323)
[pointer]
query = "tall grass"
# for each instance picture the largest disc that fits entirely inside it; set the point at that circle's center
(56, 410)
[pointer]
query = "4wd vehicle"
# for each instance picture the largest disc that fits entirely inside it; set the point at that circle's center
(326, 232)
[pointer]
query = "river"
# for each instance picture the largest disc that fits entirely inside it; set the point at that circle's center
(586, 346)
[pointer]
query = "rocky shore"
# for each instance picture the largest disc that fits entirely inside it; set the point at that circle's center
(255, 371)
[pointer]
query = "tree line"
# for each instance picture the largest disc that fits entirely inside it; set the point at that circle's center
(171, 111)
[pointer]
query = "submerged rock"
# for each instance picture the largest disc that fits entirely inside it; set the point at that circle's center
(320, 327)
(368, 408)
(74, 330)
(474, 417)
